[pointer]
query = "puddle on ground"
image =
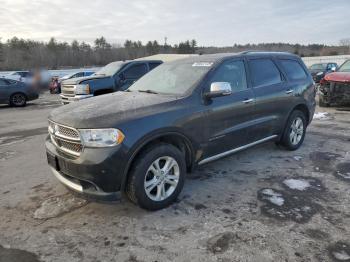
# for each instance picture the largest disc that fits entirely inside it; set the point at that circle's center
(17, 255)
(285, 206)
(340, 251)
(10, 140)
(57, 206)
(317, 234)
(323, 161)
(6, 155)
(342, 171)
(221, 242)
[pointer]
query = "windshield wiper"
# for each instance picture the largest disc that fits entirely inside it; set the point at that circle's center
(99, 74)
(148, 91)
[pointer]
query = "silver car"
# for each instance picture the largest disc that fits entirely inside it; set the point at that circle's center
(16, 93)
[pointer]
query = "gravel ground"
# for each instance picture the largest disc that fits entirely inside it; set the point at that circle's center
(263, 204)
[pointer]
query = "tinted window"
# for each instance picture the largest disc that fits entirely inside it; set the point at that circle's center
(232, 72)
(264, 72)
(153, 65)
(135, 71)
(293, 69)
(80, 74)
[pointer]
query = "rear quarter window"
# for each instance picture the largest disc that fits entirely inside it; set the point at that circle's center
(293, 69)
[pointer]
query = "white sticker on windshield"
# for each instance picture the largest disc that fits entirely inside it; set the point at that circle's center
(203, 64)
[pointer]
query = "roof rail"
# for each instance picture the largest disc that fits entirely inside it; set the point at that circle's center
(262, 51)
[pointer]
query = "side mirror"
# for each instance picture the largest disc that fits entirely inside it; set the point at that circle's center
(333, 69)
(218, 89)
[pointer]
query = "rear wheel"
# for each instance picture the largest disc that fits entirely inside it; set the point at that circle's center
(18, 99)
(157, 177)
(294, 132)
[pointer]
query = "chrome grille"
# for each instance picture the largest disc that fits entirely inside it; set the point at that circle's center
(66, 139)
(68, 90)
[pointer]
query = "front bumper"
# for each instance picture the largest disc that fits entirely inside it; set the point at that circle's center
(69, 99)
(335, 93)
(96, 173)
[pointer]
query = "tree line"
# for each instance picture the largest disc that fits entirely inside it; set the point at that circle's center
(21, 54)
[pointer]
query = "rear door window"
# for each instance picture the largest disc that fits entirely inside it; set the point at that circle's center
(264, 72)
(293, 69)
(135, 71)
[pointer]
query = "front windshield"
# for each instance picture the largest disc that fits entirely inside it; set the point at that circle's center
(345, 67)
(174, 78)
(318, 67)
(110, 69)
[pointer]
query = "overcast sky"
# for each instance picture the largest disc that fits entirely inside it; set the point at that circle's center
(210, 22)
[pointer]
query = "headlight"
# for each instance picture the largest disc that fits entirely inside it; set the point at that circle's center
(101, 137)
(320, 73)
(82, 89)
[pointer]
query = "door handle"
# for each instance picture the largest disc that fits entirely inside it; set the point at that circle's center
(247, 101)
(289, 91)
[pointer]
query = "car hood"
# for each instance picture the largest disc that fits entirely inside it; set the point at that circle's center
(338, 77)
(112, 109)
(78, 80)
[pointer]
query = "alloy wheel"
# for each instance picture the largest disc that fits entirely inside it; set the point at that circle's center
(296, 131)
(162, 178)
(18, 99)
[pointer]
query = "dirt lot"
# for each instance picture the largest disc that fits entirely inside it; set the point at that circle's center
(263, 204)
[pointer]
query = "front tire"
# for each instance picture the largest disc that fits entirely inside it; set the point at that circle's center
(18, 100)
(295, 130)
(157, 177)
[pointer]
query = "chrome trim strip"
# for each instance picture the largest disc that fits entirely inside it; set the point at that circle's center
(72, 140)
(67, 182)
(63, 125)
(223, 154)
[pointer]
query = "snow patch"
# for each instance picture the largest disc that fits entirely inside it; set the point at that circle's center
(345, 176)
(298, 158)
(273, 197)
(321, 116)
(341, 255)
(56, 206)
(297, 184)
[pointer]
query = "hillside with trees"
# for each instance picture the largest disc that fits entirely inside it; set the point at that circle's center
(17, 54)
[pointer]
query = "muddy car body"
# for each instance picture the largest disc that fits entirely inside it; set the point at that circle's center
(183, 114)
(335, 87)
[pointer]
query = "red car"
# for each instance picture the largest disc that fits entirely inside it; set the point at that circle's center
(335, 87)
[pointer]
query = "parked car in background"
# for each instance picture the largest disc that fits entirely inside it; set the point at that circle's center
(116, 76)
(21, 76)
(76, 75)
(182, 114)
(55, 84)
(318, 71)
(16, 93)
(335, 87)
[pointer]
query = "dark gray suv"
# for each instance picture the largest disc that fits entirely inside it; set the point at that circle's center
(180, 115)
